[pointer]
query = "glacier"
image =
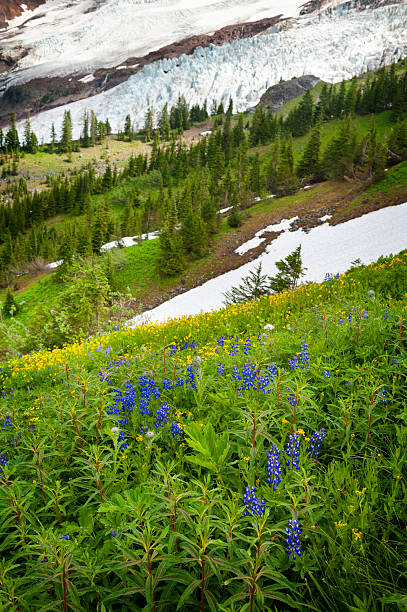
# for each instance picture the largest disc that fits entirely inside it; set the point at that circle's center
(334, 45)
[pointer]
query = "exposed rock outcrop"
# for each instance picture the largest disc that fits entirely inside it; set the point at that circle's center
(12, 8)
(277, 95)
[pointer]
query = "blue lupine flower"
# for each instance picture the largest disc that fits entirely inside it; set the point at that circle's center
(248, 376)
(255, 506)
(272, 369)
(382, 396)
(6, 423)
(326, 374)
(144, 429)
(180, 382)
(173, 350)
(113, 533)
(64, 537)
(166, 385)
(175, 430)
(293, 451)
(234, 349)
(273, 466)
(247, 346)
(190, 377)
(291, 399)
(386, 315)
(292, 542)
(122, 438)
(3, 461)
(394, 361)
(315, 443)
(221, 341)
(221, 369)
(162, 415)
(365, 315)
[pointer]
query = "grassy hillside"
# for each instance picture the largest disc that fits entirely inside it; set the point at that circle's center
(136, 267)
(128, 460)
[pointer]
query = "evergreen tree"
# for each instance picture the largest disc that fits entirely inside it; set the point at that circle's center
(290, 271)
(85, 140)
(66, 137)
(11, 141)
(253, 286)
(164, 123)
(148, 124)
(170, 259)
(310, 163)
(53, 139)
(10, 307)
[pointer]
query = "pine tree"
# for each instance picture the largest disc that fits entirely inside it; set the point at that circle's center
(11, 141)
(290, 271)
(53, 139)
(66, 137)
(148, 124)
(10, 307)
(93, 128)
(170, 260)
(310, 163)
(164, 123)
(253, 286)
(85, 133)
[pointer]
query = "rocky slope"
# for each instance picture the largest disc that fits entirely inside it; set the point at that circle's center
(277, 95)
(9, 9)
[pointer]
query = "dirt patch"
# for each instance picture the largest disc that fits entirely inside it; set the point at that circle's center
(331, 198)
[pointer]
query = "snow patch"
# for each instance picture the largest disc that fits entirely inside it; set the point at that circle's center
(326, 248)
(87, 78)
(325, 218)
(254, 242)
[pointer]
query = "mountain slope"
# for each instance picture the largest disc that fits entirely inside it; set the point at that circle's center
(149, 52)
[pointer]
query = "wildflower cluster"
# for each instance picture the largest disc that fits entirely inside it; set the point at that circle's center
(315, 443)
(162, 415)
(255, 506)
(292, 542)
(293, 451)
(301, 360)
(175, 430)
(273, 467)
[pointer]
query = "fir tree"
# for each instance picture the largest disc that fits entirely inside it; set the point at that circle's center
(11, 141)
(310, 163)
(66, 137)
(170, 259)
(10, 307)
(253, 286)
(164, 123)
(290, 271)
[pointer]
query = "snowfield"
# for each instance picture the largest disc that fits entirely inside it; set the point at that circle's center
(332, 46)
(67, 37)
(324, 249)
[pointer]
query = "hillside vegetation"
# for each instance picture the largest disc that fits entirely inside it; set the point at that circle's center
(180, 187)
(248, 459)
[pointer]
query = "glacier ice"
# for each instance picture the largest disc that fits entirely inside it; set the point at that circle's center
(334, 45)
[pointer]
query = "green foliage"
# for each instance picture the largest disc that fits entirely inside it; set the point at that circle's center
(254, 285)
(91, 521)
(289, 272)
(10, 306)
